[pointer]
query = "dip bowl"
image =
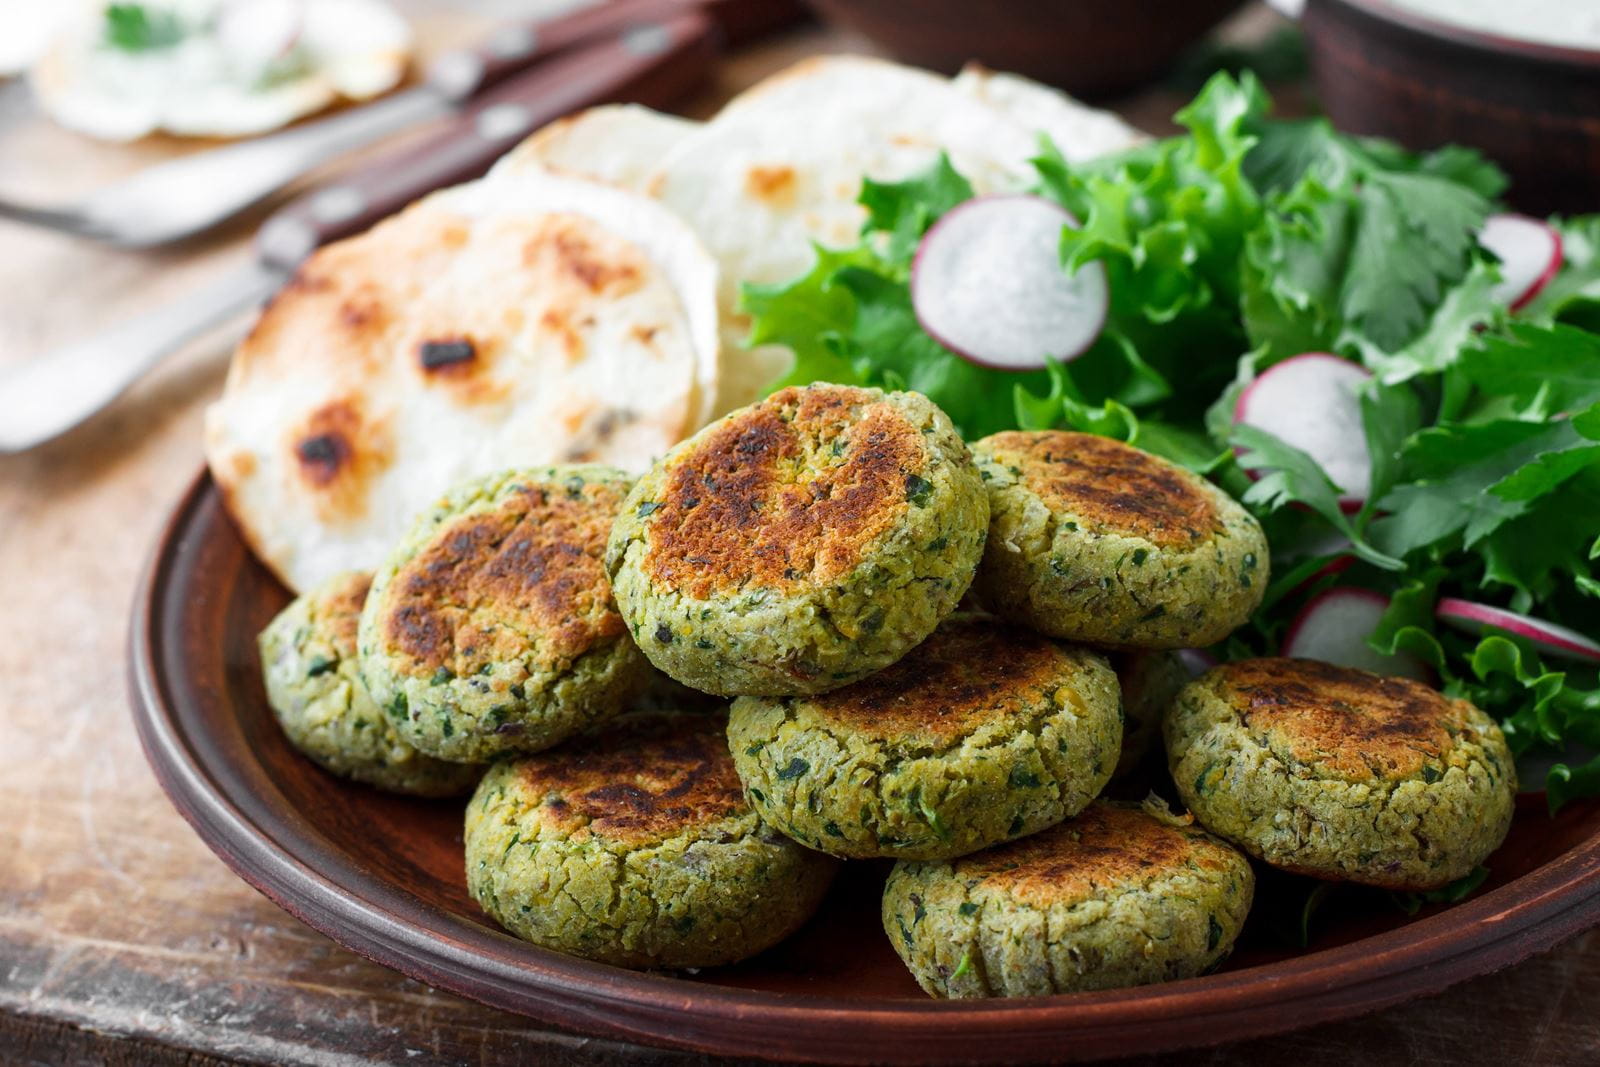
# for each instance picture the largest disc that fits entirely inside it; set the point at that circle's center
(1087, 47)
(1533, 108)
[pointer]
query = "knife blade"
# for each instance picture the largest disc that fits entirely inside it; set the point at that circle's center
(654, 64)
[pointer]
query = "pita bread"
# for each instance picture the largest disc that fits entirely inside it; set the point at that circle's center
(1080, 131)
(534, 319)
(781, 166)
(617, 143)
(212, 83)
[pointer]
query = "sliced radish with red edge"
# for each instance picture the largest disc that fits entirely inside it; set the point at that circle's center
(988, 284)
(1474, 618)
(1311, 401)
(1530, 254)
(1334, 628)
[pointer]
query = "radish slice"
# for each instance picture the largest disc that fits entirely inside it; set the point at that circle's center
(1471, 617)
(987, 283)
(1310, 402)
(1196, 660)
(1334, 628)
(1530, 254)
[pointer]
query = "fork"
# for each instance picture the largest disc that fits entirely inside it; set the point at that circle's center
(179, 199)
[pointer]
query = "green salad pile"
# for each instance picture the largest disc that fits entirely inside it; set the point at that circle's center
(1239, 244)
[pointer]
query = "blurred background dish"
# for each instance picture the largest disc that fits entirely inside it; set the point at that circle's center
(1383, 68)
(1088, 47)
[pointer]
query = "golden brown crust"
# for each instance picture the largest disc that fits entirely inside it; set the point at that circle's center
(1103, 845)
(338, 452)
(562, 247)
(1111, 485)
(341, 606)
(762, 501)
(530, 565)
(643, 779)
(1347, 721)
(969, 672)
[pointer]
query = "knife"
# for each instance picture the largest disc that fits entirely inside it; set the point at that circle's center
(652, 63)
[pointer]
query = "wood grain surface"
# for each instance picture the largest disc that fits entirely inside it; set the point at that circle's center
(122, 939)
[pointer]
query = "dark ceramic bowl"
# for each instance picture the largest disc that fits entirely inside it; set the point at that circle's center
(1533, 108)
(1088, 47)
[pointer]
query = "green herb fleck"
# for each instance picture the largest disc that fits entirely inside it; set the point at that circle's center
(1213, 933)
(664, 634)
(918, 490)
(793, 769)
(649, 507)
(137, 28)
(1023, 779)
(442, 675)
(1139, 556)
(965, 965)
(320, 665)
(967, 909)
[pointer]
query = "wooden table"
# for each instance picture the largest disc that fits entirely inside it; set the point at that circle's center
(122, 938)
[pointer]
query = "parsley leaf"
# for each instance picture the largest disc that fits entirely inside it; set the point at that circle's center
(142, 28)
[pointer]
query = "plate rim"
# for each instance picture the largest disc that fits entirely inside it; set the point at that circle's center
(1531, 914)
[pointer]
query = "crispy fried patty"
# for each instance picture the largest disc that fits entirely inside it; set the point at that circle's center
(1340, 773)
(1091, 539)
(634, 845)
(491, 628)
(308, 656)
(984, 732)
(1115, 896)
(1112, 487)
(787, 495)
(800, 543)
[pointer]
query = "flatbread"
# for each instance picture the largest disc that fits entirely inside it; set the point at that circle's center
(617, 143)
(1081, 132)
(781, 166)
(213, 85)
(534, 319)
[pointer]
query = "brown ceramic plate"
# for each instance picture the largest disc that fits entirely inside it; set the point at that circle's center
(383, 876)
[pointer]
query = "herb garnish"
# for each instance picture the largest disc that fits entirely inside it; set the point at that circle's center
(142, 28)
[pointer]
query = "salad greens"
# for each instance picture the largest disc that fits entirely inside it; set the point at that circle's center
(1238, 244)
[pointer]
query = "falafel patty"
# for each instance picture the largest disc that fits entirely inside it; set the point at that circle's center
(634, 845)
(1093, 540)
(308, 659)
(982, 733)
(1149, 681)
(1117, 896)
(1341, 774)
(491, 627)
(801, 543)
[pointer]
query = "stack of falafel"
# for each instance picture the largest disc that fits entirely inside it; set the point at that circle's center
(915, 638)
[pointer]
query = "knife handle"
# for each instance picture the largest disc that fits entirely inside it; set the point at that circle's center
(653, 64)
(517, 46)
